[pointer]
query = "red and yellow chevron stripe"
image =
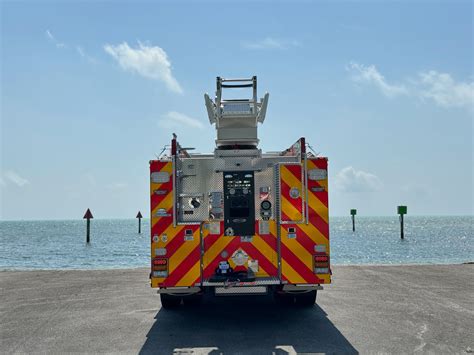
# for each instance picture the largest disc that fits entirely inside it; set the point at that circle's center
(298, 238)
(262, 248)
(182, 250)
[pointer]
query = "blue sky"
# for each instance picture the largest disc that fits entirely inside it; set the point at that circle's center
(90, 92)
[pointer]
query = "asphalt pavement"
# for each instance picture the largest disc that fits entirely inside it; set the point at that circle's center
(367, 309)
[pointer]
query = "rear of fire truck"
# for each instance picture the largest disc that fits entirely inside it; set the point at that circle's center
(239, 221)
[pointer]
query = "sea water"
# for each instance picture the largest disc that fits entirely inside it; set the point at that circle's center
(115, 243)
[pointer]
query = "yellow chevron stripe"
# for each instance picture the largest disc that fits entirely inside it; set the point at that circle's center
(215, 249)
(325, 277)
(290, 210)
(324, 183)
(183, 251)
(168, 167)
(190, 276)
(297, 249)
(313, 201)
(289, 179)
(166, 203)
(266, 250)
(312, 232)
(262, 272)
(171, 233)
(291, 274)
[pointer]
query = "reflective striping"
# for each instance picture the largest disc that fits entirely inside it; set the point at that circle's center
(294, 245)
(289, 274)
(192, 258)
(293, 207)
(211, 264)
(297, 253)
(166, 203)
(298, 266)
(263, 262)
(186, 247)
(215, 250)
(191, 277)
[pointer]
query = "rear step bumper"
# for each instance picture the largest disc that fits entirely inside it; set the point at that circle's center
(236, 283)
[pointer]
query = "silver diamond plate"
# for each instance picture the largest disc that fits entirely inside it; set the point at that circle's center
(258, 282)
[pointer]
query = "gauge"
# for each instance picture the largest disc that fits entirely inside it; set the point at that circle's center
(266, 205)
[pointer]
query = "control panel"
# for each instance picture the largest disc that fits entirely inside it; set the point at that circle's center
(239, 203)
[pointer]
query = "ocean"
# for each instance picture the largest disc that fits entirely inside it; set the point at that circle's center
(115, 243)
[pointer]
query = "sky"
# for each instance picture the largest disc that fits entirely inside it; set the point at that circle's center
(90, 92)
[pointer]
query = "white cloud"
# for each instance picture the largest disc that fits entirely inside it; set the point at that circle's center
(351, 180)
(270, 43)
(148, 61)
(444, 91)
(370, 75)
(54, 40)
(441, 88)
(175, 119)
(16, 179)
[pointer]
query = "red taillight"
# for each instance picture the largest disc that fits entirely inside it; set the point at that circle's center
(160, 264)
(160, 261)
(321, 264)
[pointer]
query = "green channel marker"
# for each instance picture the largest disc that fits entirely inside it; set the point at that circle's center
(402, 210)
(353, 213)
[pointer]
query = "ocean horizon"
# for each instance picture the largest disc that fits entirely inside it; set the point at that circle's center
(116, 244)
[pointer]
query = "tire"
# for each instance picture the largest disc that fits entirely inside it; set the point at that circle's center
(306, 299)
(193, 300)
(169, 301)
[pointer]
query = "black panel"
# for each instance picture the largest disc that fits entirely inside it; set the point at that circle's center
(239, 203)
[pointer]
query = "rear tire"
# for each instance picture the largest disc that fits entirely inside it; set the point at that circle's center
(192, 300)
(283, 299)
(306, 299)
(169, 301)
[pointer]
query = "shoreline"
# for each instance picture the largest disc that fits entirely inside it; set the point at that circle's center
(449, 263)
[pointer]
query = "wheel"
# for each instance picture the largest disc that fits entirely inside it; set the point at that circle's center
(283, 299)
(306, 299)
(193, 300)
(169, 301)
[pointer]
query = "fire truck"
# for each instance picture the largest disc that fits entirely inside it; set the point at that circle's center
(239, 221)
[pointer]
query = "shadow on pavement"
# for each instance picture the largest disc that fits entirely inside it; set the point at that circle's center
(244, 325)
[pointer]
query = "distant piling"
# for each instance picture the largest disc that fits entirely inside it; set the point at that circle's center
(402, 210)
(353, 214)
(139, 216)
(88, 216)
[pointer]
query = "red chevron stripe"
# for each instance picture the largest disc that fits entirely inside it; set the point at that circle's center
(319, 223)
(230, 248)
(302, 238)
(285, 191)
(162, 223)
(295, 170)
(321, 163)
(193, 257)
(174, 244)
(298, 265)
(255, 254)
(156, 199)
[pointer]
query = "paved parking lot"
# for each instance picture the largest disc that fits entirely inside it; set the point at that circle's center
(368, 309)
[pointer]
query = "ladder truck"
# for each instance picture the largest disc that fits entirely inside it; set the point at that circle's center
(239, 221)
